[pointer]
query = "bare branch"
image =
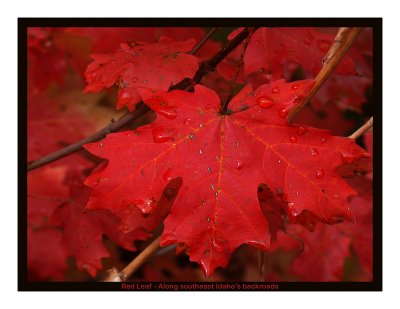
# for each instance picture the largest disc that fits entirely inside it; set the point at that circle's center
(361, 131)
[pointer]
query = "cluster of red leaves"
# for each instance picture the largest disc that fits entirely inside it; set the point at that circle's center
(194, 169)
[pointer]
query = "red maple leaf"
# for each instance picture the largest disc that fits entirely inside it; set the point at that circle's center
(158, 66)
(222, 159)
(269, 48)
(83, 229)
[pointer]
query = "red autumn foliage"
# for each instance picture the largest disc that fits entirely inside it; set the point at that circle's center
(209, 179)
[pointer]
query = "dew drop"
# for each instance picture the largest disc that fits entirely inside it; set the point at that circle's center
(200, 151)
(301, 131)
(265, 102)
(146, 206)
(186, 121)
(295, 87)
(275, 90)
(314, 152)
(101, 144)
(216, 158)
(168, 175)
(323, 140)
(201, 125)
(209, 169)
(212, 187)
(319, 173)
(203, 202)
(191, 136)
(239, 165)
(237, 143)
(216, 193)
(291, 208)
(169, 112)
(297, 99)
(323, 45)
(283, 112)
(208, 106)
(293, 139)
(162, 134)
(217, 247)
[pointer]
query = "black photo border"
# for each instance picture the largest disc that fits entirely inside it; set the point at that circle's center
(374, 23)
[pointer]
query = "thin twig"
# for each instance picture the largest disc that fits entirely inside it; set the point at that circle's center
(361, 131)
(239, 65)
(203, 41)
(112, 127)
(338, 49)
(140, 259)
(205, 67)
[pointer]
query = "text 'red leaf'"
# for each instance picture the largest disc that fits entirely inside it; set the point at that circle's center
(158, 66)
(222, 159)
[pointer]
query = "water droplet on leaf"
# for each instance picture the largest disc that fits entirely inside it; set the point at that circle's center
(168, 175)
(265, 101)
(314, 152)
(283, 112)
(162, 134)
(239, 165)
(301, 131)
(275, 90)
(169, 112)
(319, 173)
(146, 206)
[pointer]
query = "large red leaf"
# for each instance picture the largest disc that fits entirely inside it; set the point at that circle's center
(158, 66)
(222, 159)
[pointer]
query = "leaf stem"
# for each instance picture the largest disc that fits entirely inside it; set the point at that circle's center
(362, 130)
(224, 107)
(343, 40)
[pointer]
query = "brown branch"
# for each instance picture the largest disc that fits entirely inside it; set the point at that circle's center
(112, 127)
(344, 38)
(361, 131)
(114, 276)
(205, 67)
